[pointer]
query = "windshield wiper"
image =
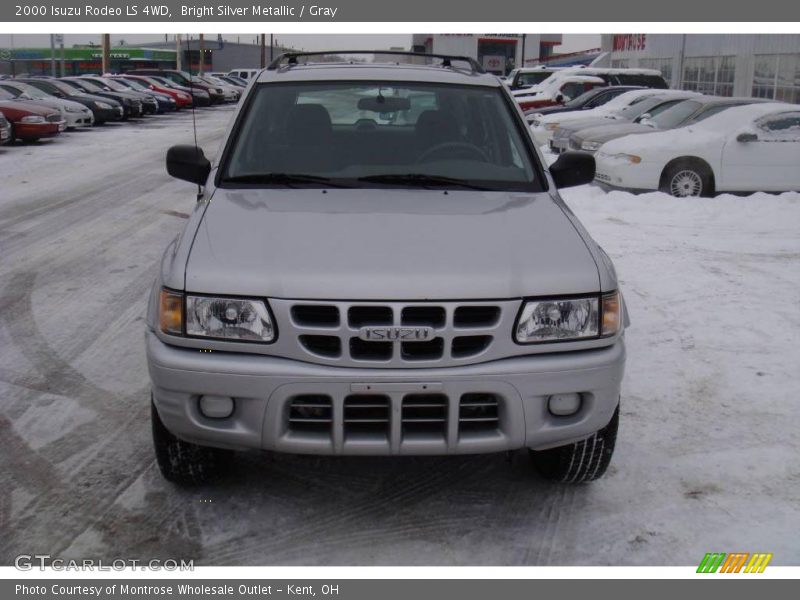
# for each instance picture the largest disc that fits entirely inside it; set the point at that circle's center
(282, 179)
(420, 179)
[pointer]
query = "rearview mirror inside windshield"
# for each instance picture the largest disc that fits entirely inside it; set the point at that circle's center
(382, 104)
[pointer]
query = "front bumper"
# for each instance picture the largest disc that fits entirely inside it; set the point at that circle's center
(621, 174)
(263, 389)
(79, 119)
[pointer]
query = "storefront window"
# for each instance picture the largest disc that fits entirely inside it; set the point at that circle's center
(659, 64)
(777, 76)
(709, 75)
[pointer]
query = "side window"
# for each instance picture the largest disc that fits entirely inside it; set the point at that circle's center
(572, 90)
(783, 127)
(600, 99)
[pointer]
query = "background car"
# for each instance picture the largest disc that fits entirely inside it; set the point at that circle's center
(148, 102)
(594, 98)
(29, 122)
(246, 74)
(644, 105)
(692, 110)
(103, 109)
(74, 113)
(164, 102)
(131, 105)
(182, 99)
(557, 91)
(215, 93)
(544, 126)
(5, 130)
(747, 148)
(232, 93)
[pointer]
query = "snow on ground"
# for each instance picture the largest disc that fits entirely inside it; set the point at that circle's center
(707, 458)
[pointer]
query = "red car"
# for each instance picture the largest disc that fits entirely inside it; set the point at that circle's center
(182, 99)
(30, 123)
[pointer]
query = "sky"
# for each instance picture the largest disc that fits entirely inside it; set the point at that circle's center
(571, 43)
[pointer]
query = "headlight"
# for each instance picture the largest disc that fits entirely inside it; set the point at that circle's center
(590, 146)
(75, 109)
(629, 158)
(566, 319)
(102, 105)
(229, 318)
(551, 126)
(33, 119)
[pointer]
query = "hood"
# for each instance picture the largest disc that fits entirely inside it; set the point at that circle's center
(579, 124)
(26, 107)
(604, 133)
(379, 244)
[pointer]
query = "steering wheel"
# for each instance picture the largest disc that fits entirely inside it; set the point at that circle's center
(453, 147)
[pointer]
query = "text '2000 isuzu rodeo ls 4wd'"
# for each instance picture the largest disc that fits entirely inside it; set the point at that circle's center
(379, 263)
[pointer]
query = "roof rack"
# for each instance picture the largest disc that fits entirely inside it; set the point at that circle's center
(290, 58)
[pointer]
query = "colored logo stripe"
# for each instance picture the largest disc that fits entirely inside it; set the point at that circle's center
(758, 563)
(734, 562)
(711, 562)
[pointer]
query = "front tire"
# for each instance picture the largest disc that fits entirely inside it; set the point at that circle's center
(182, 462)
(582, 461)
(687, 178)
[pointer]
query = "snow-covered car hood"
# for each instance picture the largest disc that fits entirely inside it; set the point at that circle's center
(579, 124)
(377, 244)
(612, 130)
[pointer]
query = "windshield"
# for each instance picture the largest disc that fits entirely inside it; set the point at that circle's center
(64, 88)
(367, 134)
(676, 115)
(533, 78)
(22, 88)
(85, 85)
(114, 85)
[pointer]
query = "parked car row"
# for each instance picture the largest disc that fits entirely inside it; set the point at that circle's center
(36, 107)
(679, 142)
(557, 86)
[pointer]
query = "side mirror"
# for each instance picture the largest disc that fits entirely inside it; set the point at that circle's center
(560, 98)
(747, 137)
(188, 163)
(573, 168)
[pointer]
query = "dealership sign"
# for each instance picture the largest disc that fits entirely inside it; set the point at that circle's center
(629, 41)
(494, 62)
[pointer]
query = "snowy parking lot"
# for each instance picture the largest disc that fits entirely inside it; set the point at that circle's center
(708, 457)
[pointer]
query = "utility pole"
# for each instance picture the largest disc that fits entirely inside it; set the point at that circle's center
(522, 62)
(61, 48)
(106, 37)
(263, 50)
(271, 46)
(178, 61)
(52, 55)
(202, 51)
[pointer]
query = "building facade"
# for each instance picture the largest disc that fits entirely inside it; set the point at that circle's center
(497, 52)
(760, 65)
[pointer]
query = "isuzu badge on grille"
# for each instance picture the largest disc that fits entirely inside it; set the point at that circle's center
(396, 334)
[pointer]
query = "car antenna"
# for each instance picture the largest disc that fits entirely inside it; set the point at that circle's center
(194, 120)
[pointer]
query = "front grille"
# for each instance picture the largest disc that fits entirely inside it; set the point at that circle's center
(450, 332)
(393, 419)
(53, 118)
(602, 177)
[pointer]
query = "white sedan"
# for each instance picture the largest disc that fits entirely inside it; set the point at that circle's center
(753, 148)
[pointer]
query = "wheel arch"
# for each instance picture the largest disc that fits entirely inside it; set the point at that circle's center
(688, 159)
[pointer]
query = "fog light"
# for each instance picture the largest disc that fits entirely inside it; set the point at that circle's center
(563, 405)
(216, 407)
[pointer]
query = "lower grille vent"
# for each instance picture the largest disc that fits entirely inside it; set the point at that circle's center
(311, 413)
(478, 413)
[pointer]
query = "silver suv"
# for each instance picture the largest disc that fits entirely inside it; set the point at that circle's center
(379, 263)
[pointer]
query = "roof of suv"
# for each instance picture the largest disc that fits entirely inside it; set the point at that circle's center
(388, 71)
